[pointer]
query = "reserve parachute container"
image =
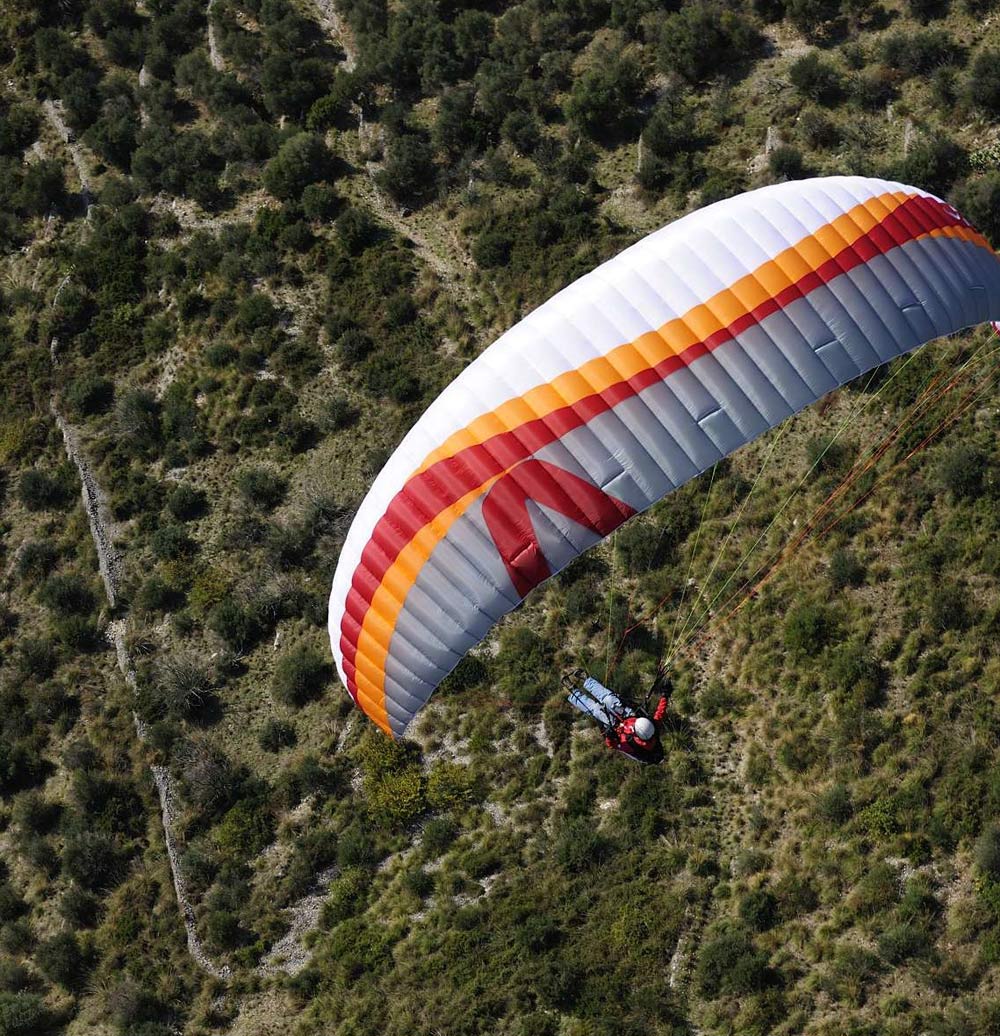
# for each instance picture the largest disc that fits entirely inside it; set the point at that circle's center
(622, 387)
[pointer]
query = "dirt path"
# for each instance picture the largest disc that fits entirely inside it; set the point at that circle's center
(339, 31)
(58, 123)
(214, 54)
(102, 526)
(289, 955)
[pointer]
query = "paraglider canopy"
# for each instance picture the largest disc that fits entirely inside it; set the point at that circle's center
(621, 388)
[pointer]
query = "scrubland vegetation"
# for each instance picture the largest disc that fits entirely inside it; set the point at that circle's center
(240, 272)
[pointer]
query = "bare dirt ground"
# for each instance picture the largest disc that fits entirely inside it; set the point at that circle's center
(289, 954)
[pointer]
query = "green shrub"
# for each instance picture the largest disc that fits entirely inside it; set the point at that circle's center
(339, 413)
(302, 160)
(236, 624)
(817, 130)
(35, 560)
(758, 909)
(873, 88)
(604, 97)
(171, 543)
(277, 734)
(786, 163)
(492, 249)
(39, 491)
(834, 805)
(256, 312)
(14, 976)
(808, 629)
(961, 470)
(93, 859)
(79, 907)
(34, 813)
(156, 595)
(90, 395)
(854, 674)
(934, 162)
(449, 786)
(62, 960)
(900, 942)
(643, 546)
(137, 414)
(12, 906)
(845, 569)
(261, 488)
(578, 845)
(729, 963)
(245, 831)
(224, 932)
(524, 665)
(917, 52)
(947, 607)
(703, 38)
(348, 896)
(816, 78)
(983, 83)
(439, 834)
(877, 890)
(988, 852)
(395, 800)
(356, 848)
(23, 1014)
(418, 882)
(978, 199)
(68, 594)
(300, 675)
(186, 502)
(320, 202)
(408, 174)
(36, 656)
(17, 937)
(852, 970)
(356, 230)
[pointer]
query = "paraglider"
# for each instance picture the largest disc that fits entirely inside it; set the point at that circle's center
(621, 388)
(627, 728)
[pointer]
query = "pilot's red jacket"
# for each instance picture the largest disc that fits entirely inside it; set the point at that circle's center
(624, 736)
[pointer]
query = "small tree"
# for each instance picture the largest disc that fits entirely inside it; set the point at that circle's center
(300, 161)
(603, 99)
(300, 675)
(409, 174)
(186, 502)
(983, 82)
(816, 78)
(356, 230)
(704, 38)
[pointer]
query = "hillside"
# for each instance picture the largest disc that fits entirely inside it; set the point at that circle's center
(244, 244)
